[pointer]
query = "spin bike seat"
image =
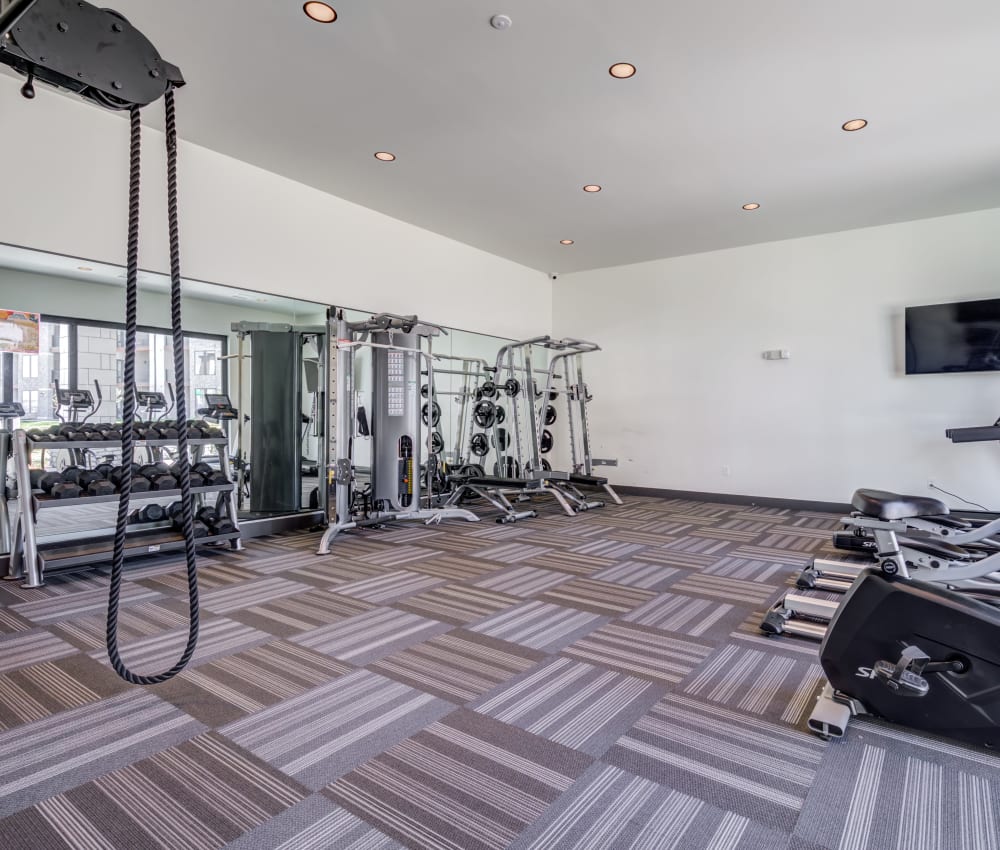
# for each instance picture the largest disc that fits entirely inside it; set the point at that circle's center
(891, 506)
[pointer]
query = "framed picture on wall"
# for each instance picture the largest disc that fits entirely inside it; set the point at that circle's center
(19, 331)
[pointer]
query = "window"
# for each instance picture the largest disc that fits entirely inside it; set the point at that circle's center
(34, 375)
(29, 398)
(98, 354)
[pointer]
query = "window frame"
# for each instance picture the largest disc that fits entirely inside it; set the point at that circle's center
(74, 325)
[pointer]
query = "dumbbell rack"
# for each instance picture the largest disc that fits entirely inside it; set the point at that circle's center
(31, 561)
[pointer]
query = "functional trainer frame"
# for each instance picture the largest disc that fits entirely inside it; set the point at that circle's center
(396, 485)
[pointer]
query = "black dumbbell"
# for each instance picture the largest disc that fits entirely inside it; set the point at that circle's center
(36, 476)
(140, 484)
(158, 479)
(104, 470)
(207, 515)
(66, 490)
(224, 526)
(218, 524)
(109, 431)
(165, 430)
(200, 529)
(149, 513)
(40, 435)
(87, 477)
(72, 474)
(100, 487)
(198, 430)
(211, 476)
(48, 480)
(117, 473)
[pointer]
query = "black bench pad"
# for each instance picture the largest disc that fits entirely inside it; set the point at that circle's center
(891, 506)
(493, 481)
(588, 480)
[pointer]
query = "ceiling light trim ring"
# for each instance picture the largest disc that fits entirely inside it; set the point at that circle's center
(625, 70)
(321, 13)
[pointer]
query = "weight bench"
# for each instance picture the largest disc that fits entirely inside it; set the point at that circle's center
(490, 488)
(595, 482)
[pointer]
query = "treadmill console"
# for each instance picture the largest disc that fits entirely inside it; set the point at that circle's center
(219, 408)
(75, 398)
(11, 410)
(151, 400)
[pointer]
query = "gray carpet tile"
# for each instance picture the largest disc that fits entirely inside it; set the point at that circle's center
(540, 625)
(367, 637)
(610, 808)
(458, 666)
(317, 823)
(640, 651)
(326, 731)
(458, 604)
(194, 796)
(464, 783)
(886, 787)
(57, 753)
(753, 767)
(571, 703)
(596, 682)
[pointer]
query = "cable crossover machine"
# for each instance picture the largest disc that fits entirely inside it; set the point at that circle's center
(400, 426)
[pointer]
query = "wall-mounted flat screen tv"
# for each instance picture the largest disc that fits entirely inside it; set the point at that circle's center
(961, 337)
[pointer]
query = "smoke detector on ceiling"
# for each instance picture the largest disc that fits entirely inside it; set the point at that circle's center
(501, 22)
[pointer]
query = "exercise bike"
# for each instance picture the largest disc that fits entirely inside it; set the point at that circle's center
(914, 653)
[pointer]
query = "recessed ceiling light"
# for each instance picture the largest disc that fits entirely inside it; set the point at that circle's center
(855, 124)
(622, 70)
(592, 188)
(751, 207)
(84, 268)
(565, 241)
(385, 156)
(320, 12)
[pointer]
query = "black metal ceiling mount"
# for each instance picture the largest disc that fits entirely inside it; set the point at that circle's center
(95, 53)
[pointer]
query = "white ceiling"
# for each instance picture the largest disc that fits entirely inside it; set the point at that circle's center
(496, 132)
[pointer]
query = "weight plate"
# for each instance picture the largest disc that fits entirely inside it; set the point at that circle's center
(435, 412)
(479, 445)
(512, 387)
(484, 413)
(550, 415)
(546, 442)
(501, 415)
(489, 389)
(437, 442)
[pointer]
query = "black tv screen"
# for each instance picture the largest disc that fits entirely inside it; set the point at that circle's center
(961, 337)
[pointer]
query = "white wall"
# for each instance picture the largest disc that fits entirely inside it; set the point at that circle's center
(681, 391)
(65, 191)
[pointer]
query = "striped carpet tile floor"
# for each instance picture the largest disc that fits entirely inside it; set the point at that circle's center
(591, 683)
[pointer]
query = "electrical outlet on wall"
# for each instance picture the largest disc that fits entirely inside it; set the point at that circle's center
(727, 470)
